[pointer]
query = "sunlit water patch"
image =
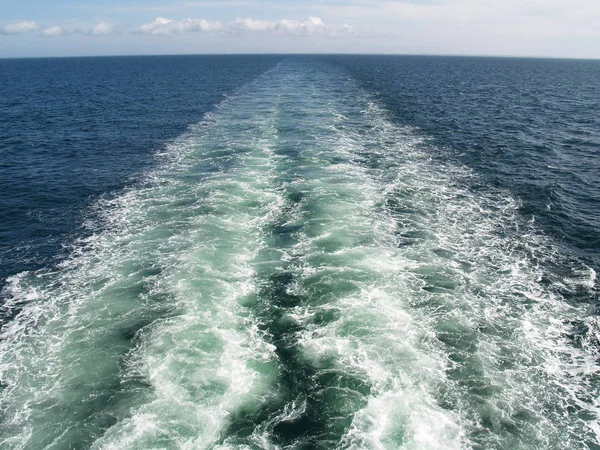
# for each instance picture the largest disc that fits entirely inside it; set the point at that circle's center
(300, 272)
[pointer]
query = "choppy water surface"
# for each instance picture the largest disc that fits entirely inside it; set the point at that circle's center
(301, 270)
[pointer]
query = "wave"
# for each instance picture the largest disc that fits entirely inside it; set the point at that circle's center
(300, 271)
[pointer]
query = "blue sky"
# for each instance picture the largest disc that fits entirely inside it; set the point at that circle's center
(554, 28)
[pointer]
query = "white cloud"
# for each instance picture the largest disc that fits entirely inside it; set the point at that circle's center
(102, 29)
(53, 31)
(163, 27)
(285, 26)
(27, 26)
(250, 25)
(312, 26)
(31, 26)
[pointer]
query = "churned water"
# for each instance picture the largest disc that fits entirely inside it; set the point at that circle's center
(342, 252)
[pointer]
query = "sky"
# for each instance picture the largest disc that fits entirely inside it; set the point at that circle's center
(544, 28)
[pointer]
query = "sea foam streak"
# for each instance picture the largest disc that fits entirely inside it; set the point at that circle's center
(301, 273)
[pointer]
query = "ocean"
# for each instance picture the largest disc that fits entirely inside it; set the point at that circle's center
(299, 252)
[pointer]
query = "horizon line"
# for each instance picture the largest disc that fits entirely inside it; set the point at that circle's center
(455, 55)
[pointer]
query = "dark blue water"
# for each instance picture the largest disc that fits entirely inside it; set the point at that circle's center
(73, 129)
(529, 125)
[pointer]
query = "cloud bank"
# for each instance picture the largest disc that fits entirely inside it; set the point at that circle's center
(33, 27)
(162, 26)
(27, 26)
(53, 31)
(312, 26)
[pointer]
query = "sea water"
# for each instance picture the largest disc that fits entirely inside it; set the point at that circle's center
(340, 252)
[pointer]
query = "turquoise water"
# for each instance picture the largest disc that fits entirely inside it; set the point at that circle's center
(299, 271)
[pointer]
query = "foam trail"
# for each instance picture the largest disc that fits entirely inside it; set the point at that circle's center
(330, 296)
(211, 360)
(143, 317)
